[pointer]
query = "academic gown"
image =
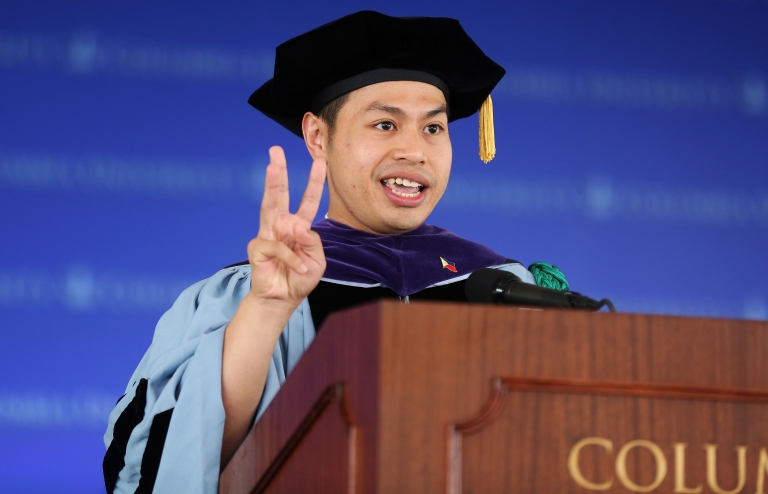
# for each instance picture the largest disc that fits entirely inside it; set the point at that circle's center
(165, 433)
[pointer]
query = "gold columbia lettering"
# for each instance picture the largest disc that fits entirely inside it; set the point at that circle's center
(621, 465)
(573, 463)
(741, 452)
(762, 469)
(661, 467)
(680, 470)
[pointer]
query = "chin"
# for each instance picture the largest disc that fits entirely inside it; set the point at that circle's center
(403, 223)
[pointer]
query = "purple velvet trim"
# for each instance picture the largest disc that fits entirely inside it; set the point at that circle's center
(405, 263)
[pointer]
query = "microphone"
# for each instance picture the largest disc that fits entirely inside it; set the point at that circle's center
(502, 287)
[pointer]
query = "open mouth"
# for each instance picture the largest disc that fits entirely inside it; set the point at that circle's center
(403, 187)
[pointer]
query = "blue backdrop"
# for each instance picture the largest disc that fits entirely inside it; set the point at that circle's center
(632, 136)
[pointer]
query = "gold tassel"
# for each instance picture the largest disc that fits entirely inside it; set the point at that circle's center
(487, 139)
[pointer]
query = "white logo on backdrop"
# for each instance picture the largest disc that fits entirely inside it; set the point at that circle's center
(755, 308)
(81, 288)
(87, 53)
(597, 199)
(752, 307)
(745, 94)
(36, 410)
(754, 94)
(600, 199)
(163, 178)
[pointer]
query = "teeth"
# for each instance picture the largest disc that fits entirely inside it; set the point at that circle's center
(396, 192)
(402, 181)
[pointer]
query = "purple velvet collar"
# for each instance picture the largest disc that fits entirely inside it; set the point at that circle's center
(405, 263)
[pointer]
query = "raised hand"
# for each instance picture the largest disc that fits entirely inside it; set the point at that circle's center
(287, 262)
(286, 257)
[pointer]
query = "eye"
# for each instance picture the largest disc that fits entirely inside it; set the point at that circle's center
(385, 126)
(433, 129)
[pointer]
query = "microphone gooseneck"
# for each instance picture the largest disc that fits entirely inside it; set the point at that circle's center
(502, 287)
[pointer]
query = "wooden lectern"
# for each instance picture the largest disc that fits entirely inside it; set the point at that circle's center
(449, 398)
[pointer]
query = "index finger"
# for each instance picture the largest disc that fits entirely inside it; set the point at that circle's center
(276, 183)
(310, 202)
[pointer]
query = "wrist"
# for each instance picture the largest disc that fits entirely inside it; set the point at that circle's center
(266, 310)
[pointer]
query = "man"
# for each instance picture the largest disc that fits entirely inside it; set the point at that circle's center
(371, 96)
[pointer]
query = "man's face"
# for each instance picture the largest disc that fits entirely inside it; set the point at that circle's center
(390, 157)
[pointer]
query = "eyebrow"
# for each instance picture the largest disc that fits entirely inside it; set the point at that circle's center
(394, 110)
(437, 111)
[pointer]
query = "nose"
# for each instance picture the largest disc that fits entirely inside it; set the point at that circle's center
(410, 146)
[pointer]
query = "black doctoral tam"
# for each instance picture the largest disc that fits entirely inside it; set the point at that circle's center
(366, 48)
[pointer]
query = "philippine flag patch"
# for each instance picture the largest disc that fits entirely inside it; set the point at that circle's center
(448, 265)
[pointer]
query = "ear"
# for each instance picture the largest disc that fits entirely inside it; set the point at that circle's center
(315, 135)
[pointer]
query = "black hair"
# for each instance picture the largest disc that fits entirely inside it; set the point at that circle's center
(330, 113)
